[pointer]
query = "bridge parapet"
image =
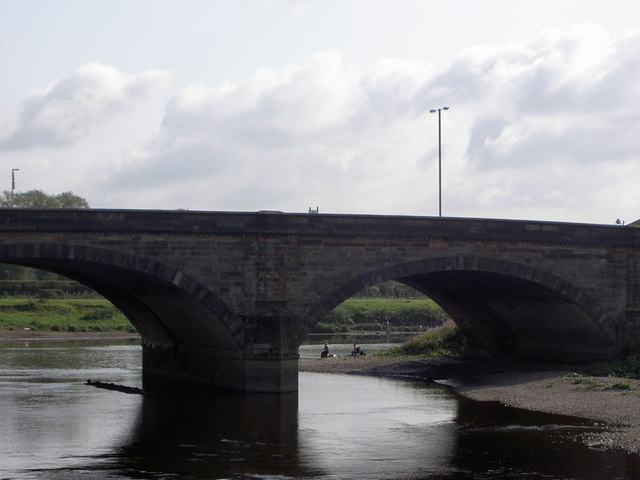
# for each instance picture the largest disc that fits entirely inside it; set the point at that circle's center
(317, 225)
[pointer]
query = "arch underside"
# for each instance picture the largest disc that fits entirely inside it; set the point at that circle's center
(506, 308)
(510, 315)
(166, 308)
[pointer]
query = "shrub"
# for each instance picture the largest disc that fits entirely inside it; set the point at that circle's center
(628, 365)
(370, 327)
(338, 318)
(323, 327)
(439, 341)
(50, 293)
(622, 386)
(99, 314)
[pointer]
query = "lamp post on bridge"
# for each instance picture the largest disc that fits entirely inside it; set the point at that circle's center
(439, 110)
(13, 182)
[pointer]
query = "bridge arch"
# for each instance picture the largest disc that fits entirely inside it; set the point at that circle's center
(167, 307)
(501, 306)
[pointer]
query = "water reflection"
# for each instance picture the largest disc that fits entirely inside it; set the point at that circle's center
(228, 434)
(340, 427)
(494, 441)
(361, 427)
(50, 421)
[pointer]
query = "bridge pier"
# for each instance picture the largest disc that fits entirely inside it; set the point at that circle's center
(267, 363)
(197, 367)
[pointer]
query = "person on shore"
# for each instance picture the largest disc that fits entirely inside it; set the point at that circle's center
(355, 350)
(325, 351)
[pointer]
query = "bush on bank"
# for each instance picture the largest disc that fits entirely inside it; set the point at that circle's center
(441, 341)
(627, 366)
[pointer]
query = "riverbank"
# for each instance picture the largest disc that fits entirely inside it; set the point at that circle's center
(49, 336)
(537, 386)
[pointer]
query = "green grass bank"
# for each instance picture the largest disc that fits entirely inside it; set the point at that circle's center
(382, 314)
(62, 315)
(86, 314)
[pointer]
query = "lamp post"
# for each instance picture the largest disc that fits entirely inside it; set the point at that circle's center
(13, 182)
(439, 110)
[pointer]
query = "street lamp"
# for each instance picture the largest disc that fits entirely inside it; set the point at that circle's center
(13, 182)
(439, 110)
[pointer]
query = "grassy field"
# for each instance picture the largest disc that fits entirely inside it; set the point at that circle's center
(390, 306)
(99, 315)
(67, 315)
(378, 314)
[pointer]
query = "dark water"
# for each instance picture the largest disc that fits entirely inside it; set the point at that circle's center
(339, 427)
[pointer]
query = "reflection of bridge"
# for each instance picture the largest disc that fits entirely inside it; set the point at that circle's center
(225, 298)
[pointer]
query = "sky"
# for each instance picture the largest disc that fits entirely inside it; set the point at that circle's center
(287, 105)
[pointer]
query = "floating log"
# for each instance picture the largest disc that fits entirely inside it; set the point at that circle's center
(116, 387)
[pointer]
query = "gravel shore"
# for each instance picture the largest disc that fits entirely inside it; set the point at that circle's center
(549, 388)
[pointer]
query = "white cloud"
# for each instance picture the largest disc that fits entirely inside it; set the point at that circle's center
(63, 112)
(543, 128)
(294, 100)
(549, 118)
(282, 138)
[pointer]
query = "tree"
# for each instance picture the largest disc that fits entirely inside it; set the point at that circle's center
(40, 199)
(36, 199)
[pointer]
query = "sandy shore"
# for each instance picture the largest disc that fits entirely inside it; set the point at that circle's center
(532, 386)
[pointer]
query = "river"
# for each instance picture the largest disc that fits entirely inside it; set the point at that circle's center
(53, 426)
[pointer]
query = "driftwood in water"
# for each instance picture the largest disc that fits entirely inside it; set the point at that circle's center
(113, 386)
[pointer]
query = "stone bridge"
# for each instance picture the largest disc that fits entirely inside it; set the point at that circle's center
(225, 299)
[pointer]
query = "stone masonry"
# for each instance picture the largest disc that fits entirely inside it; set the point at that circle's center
(225, 298)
